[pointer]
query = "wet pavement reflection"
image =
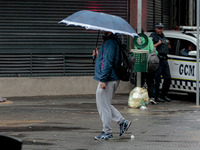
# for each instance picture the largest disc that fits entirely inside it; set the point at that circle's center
(63, 122)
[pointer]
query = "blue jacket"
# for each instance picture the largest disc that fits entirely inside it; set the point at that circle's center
(107, 59)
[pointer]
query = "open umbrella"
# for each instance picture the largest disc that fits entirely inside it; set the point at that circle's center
(101, 22)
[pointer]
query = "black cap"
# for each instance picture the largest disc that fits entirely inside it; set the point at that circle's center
(159, 25)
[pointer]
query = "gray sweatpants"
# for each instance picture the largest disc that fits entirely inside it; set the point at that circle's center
(107, 111)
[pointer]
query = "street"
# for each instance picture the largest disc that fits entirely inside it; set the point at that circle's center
(70, 123)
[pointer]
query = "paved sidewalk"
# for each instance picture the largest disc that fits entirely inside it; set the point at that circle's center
(70, 123)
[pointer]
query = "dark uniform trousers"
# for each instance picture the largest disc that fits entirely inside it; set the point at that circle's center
(163, 70)
(149, 77)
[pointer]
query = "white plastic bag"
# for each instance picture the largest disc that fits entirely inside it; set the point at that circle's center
(138, 97)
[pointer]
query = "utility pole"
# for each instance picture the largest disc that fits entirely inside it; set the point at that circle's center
(197, 68)
(139, 27)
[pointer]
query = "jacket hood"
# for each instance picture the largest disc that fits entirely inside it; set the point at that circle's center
(112, 36)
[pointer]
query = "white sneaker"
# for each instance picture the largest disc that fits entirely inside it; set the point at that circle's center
(152, 101)
(2, 99)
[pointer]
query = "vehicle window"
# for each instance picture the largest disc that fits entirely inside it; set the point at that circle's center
(185, 47)
(173, 43)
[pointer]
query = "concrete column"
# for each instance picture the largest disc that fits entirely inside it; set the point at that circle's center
(191, 14)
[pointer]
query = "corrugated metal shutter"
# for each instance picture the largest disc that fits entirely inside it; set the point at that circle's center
(158, 11)
(150, 15)
(32, 43)
(166, 14)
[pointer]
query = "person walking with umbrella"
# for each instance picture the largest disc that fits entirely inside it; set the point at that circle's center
(107, 59)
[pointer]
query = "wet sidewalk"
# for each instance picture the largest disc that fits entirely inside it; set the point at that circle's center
(70, 123)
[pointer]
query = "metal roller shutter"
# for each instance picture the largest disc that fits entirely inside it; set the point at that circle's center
(150, 14)
(158, 11)
(32, 43)
(166, 14)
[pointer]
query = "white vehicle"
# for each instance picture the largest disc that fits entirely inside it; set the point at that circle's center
(182, 68)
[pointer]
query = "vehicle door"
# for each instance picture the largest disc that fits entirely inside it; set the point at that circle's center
(182, 68)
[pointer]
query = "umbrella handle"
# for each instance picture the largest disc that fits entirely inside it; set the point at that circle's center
(94, 57)
(97, 39)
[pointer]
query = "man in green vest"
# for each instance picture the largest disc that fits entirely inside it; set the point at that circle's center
(148, 77)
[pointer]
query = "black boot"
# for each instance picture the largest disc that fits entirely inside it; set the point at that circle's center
(158, 99)
(167, 99)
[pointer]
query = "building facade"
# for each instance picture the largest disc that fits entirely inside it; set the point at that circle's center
(46, 58)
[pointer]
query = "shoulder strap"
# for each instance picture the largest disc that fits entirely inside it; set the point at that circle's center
(160, 37)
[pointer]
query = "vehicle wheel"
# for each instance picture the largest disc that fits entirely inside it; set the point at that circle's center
(192, 95)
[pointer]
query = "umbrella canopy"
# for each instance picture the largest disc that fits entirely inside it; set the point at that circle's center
(100, 21)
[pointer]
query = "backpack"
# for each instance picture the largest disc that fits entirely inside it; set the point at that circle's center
(125, 65)
(153, 61)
